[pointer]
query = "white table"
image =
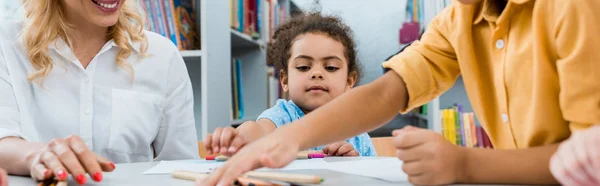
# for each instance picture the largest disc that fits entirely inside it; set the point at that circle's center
(131, 174)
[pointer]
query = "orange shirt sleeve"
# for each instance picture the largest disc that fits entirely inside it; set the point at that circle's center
(429, 66)
(577, 39)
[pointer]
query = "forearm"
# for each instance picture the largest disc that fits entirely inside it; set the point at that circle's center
(522, 166)
(253, 131)
(357, 111)
(16, 154)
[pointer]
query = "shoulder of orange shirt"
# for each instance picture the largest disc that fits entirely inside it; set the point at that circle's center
(460, 128)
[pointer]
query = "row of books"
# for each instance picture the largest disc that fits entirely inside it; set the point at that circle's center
(236, 87)
(460, 128)
(174, 19)
(247, 16)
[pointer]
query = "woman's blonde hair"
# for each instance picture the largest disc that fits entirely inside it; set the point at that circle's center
(45, 23)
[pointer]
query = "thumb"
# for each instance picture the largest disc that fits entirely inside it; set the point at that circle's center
(278, 158)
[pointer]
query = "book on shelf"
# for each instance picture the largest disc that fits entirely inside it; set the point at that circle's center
(236, 87)
(246, 16)
(175, 20)
(459, 128)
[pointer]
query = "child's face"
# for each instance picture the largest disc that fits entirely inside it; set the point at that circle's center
(317, 71)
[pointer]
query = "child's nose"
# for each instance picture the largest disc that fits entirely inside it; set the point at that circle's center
(316, 74)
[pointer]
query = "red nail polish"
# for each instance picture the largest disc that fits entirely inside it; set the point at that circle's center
(62, 175)
(46, 172)
(111, 164)
(97, 176)
(81, 179)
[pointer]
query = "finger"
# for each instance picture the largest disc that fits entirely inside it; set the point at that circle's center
(413, 168)
(325, 149)
(410, 155)
(572, 171)
(105, 164)
(63, 150)
(230, 173)
(333, 148)
(226, 136)
(86, 157)
(208, 143)
(591, 149)
(579, 159)
(214, 177)
(347, 147)
(40, 172)
(422, 179)
(352, 153)
(407, 128)
(409, 139)
(3, 178)
(51, 161)
(216, 139)
(236, 144)
(558, 170)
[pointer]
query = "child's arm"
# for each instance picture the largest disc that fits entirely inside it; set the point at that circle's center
(228, 141)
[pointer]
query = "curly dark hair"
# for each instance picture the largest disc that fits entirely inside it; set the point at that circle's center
(278, 48)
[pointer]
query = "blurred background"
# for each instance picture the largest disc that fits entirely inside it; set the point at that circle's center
(223, 45)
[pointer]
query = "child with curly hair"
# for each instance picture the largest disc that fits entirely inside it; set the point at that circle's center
(316, 58)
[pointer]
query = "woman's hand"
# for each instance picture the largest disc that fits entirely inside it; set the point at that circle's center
(70, 155)
(577, 161)
(3, 178)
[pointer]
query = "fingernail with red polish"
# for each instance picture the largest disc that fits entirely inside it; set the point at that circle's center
(46, 172)
(81, 179)
(111, 164)
(97, 176)
(61, 174)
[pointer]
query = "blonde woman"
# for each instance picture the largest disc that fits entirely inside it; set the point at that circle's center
(83, 86)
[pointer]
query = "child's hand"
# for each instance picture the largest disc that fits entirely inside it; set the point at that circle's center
(428, 158)
(341, 148)
(273, 151)
(226, 141)
(577, 161)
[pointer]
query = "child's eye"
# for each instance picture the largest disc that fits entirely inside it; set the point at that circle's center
(303, 68)
(331, 69)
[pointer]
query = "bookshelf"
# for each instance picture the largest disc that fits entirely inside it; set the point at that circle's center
(210, 68)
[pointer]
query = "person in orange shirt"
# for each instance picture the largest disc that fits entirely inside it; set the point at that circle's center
(577, 161)
(530, 69)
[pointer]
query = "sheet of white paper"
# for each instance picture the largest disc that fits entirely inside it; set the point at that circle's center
(389, 169)
(167, 167)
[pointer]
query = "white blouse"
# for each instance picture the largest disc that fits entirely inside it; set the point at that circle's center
(149, 117)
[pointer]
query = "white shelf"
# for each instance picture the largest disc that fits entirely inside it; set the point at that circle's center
(191, 53)
(241, 40)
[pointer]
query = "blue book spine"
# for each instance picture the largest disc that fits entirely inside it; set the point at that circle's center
(241, 15)
(238, 69)
(160, 19)
(258, 16)
(171, 21)
(148, 9)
